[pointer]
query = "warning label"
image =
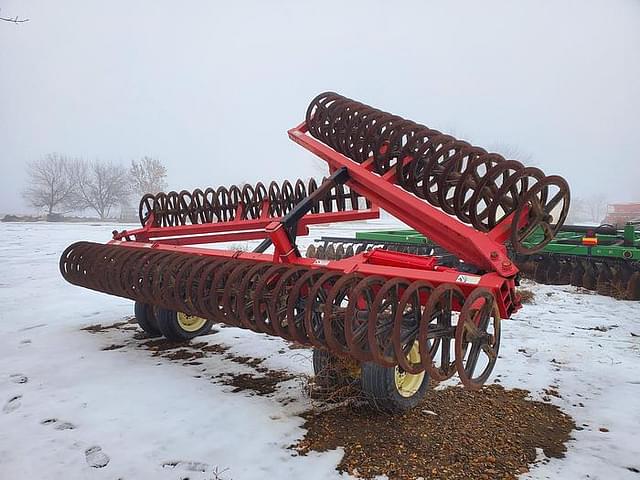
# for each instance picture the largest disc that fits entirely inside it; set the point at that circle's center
(471, 279)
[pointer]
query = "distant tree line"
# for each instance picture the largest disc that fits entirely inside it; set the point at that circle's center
(588, 209)
(61, 184)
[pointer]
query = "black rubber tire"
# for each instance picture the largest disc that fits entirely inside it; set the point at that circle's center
(146, 319)
(329, 371)
(379, 387)
(170, 328)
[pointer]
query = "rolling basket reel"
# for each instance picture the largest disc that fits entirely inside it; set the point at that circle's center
(399, 318)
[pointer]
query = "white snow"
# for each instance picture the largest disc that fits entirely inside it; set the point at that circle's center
(65, 403)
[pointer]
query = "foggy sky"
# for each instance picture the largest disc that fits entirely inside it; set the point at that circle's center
(210, 88)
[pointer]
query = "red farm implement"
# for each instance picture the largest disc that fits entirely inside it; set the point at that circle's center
(400, 319)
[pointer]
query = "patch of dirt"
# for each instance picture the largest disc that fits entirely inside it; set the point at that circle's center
(264, 382)
(163, 345)
(263, 385)
(184, 350)
(489, 434)
(250, 361)
(123, 325)
(98, 327)
(181, 354)
(214, 348)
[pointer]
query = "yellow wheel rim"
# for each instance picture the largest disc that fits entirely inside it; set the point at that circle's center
(190, 323)
(408, 384)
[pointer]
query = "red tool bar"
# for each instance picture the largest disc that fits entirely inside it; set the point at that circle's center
(472, 246)
(387, 265)
(213, 232)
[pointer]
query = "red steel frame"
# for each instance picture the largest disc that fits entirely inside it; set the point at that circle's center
(484, 250)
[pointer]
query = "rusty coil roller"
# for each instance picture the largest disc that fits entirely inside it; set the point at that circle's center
(478, 187)
(221, 204)
(372, 319)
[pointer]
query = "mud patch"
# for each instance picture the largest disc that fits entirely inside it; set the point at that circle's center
(250, 361)
(98, 327)
(265, 384)
(262, 380)
(214, 348)
(183, 350)
(162, 345)
(455, 434)
(183, 354)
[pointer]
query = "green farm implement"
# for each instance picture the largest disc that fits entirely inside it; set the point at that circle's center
(601, 258)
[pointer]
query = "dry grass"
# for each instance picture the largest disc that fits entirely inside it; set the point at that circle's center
(526, 295)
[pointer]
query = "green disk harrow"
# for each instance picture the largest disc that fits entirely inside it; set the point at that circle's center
(599, 258)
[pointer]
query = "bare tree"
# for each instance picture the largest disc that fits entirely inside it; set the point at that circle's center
(49, 184)
(577, 211)
(15, 19)
(99, 185)
(148, 176)
(590, 209)
(596, 207)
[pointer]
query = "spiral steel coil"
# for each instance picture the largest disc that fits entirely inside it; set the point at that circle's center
(221, 204)
(478, 187)
(364, 318)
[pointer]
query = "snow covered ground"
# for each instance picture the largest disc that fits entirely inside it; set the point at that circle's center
(66, 404)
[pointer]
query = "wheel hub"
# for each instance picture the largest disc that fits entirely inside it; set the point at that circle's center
(190, 323)
(408, 384)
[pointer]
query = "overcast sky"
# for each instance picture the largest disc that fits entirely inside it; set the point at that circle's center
(210, 88)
